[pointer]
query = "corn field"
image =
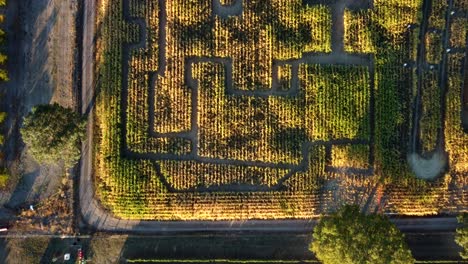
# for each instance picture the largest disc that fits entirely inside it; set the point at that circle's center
(210, 112)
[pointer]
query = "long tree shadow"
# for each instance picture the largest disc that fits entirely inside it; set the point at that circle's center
(231, 246)
(35, 86)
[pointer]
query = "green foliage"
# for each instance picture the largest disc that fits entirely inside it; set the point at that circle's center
(462, 235)
(333, 102)
(4, 75)
(3, 2)
(53, 133)
(3, 58)
(400, 14)
(336, 112)
(3, 116)
(349, 236)
(4, 177)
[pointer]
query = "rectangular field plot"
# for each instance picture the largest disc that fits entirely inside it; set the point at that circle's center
(253, 109)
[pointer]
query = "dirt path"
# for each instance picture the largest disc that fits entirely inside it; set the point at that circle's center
(41, 63)
(429, 166)
(337, 56)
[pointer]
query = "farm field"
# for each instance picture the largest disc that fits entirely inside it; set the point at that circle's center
(238, 109)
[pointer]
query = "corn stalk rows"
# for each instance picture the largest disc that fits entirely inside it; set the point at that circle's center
(333, 103)
(190, 174)
(430, 122)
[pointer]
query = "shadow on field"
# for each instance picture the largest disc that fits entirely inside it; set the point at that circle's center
(235, 246)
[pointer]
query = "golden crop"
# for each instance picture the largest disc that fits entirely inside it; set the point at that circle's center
(202, 116)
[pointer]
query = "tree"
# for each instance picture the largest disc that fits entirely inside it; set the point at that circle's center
(3, 57)
(349, 236)
(461, 236)
(3, 116)
(4, 75)
(53, 133)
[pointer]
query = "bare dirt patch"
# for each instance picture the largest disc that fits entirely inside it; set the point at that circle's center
(41, 50)
(428, 168)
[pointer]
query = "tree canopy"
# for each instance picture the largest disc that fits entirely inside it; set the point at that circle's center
(461, 236)
(349, 236)
(53, 133)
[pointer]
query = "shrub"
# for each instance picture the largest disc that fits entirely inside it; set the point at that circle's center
(4, 177)
(53, 133)
(3, 57)
(349, 236)
(4, 75)
(461, 236)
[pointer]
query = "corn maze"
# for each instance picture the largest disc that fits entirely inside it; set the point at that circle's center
(253, 109)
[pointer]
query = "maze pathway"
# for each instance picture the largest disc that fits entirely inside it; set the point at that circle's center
(191, 137)
(233, 109)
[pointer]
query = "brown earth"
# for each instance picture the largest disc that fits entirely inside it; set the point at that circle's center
(41, 52)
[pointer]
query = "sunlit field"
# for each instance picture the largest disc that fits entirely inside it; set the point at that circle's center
(254, 109)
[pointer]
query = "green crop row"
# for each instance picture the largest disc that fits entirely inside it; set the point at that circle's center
(4, 173)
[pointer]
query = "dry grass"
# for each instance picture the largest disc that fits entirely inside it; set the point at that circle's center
(106, 249)
(25, 250)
